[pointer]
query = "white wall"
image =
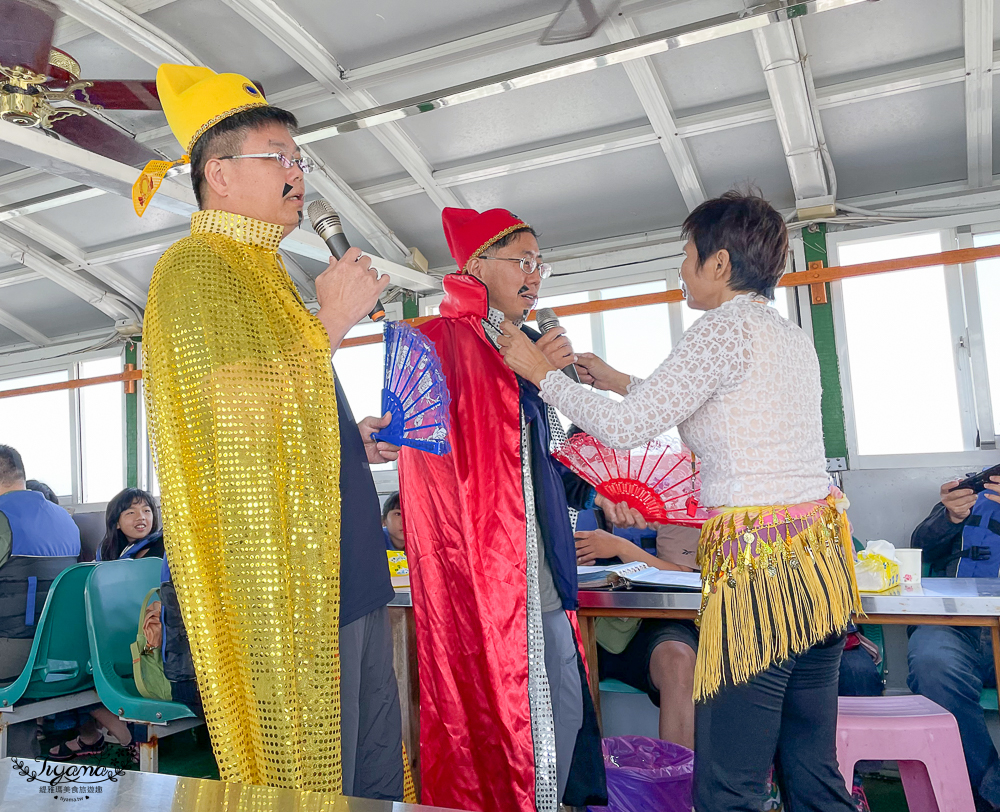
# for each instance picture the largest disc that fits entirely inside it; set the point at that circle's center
(889, 503)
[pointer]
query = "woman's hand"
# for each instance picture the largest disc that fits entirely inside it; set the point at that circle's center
(594, 544)
(600, 374)
(522, 356)
(620, 514)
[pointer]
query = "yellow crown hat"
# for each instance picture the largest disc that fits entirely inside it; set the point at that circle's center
(194, 99)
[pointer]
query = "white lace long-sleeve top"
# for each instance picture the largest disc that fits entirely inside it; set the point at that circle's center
(743, 387)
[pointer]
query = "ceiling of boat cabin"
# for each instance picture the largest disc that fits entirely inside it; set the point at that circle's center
(604, 159)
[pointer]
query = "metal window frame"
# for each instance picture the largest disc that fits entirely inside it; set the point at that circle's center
(970, 456)
(28, 368)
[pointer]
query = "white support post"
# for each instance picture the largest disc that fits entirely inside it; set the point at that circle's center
(782, 60)
(979, 90)
(653, 98)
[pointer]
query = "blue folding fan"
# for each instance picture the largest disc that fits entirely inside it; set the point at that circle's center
(415, 392)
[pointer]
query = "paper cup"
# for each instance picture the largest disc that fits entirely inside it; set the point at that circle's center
(910, 563)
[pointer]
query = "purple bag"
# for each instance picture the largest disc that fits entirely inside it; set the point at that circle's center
(646, 774)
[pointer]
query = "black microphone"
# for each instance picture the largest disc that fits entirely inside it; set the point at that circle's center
(326, 222)
(547, 320)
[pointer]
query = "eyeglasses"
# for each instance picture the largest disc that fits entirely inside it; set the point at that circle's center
(528, 264)
(305, 164)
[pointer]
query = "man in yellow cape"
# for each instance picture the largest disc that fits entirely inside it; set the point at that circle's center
(257, 452)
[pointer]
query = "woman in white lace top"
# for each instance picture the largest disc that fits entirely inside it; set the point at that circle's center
(743, 387)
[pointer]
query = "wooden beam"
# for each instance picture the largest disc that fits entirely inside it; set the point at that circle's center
(126, 377)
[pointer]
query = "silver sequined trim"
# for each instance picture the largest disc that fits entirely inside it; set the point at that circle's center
(543, 730)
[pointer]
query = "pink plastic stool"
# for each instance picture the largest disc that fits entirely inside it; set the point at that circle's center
(918, 734)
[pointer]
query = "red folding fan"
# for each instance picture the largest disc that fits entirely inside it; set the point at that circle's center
(660, 479)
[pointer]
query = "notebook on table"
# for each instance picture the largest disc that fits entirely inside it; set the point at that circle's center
(637, 574)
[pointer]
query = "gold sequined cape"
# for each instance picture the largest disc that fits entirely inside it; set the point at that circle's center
(243, 422)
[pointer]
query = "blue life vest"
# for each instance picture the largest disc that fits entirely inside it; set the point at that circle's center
(45, 541)
(981, 541)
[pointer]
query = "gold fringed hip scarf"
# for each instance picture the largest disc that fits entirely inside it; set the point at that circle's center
(775, 581)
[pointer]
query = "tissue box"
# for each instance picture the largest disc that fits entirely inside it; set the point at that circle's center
(877, 567)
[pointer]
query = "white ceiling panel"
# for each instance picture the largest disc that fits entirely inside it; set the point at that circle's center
(226, 42)
(7, 338)
(543, 113)
(90, 223)
(712, 74)
(417, 222)
(363, 33)
(899, 142)
(741, 156)
(51, 309)
(100, 58)
(872, 37)
(622, 193)
(358, 158)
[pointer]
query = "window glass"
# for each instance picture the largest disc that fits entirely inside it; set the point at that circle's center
(637, 339)
(38, 426)
(577, 327)
(102, 431)
(361, 374)
(899, 339)
(988, 274)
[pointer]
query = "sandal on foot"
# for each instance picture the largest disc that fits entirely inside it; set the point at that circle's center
(65, 753)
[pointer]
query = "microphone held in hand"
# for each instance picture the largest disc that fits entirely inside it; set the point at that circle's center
(326, 222)
(547, 320)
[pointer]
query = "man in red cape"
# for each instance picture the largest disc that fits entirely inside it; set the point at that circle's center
(506, 718)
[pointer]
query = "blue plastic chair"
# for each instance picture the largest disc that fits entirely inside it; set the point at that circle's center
(113, 597)
(59, 662)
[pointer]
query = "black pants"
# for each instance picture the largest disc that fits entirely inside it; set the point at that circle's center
(786, 715)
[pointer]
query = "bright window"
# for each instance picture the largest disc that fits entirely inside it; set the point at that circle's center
(637, 340)
(38, 426)
(578, 328)
(988, 276)
(101, 432)
(899, 340)
(361, 373)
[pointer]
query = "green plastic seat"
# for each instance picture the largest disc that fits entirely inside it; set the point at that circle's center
(113, 597)
(988, 699)
(59, 660)
(615, 687)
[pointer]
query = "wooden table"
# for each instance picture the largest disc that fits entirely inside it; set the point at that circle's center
(935, 601)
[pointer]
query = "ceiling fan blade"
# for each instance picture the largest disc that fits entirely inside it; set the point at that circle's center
(93, 134)
(126, 94)
(122, 95)
(26, 33)
(579, 19)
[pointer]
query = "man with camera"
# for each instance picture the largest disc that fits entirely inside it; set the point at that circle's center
(951, 665)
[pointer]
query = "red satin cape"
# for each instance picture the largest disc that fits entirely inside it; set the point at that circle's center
(464, 516)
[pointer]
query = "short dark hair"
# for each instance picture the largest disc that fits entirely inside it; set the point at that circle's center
(507, 239)
(11, 465)
(226, 138)
(43, 489)
(749, 228)
(391, 504)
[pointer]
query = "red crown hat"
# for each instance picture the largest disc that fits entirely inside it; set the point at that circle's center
(469, 233)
